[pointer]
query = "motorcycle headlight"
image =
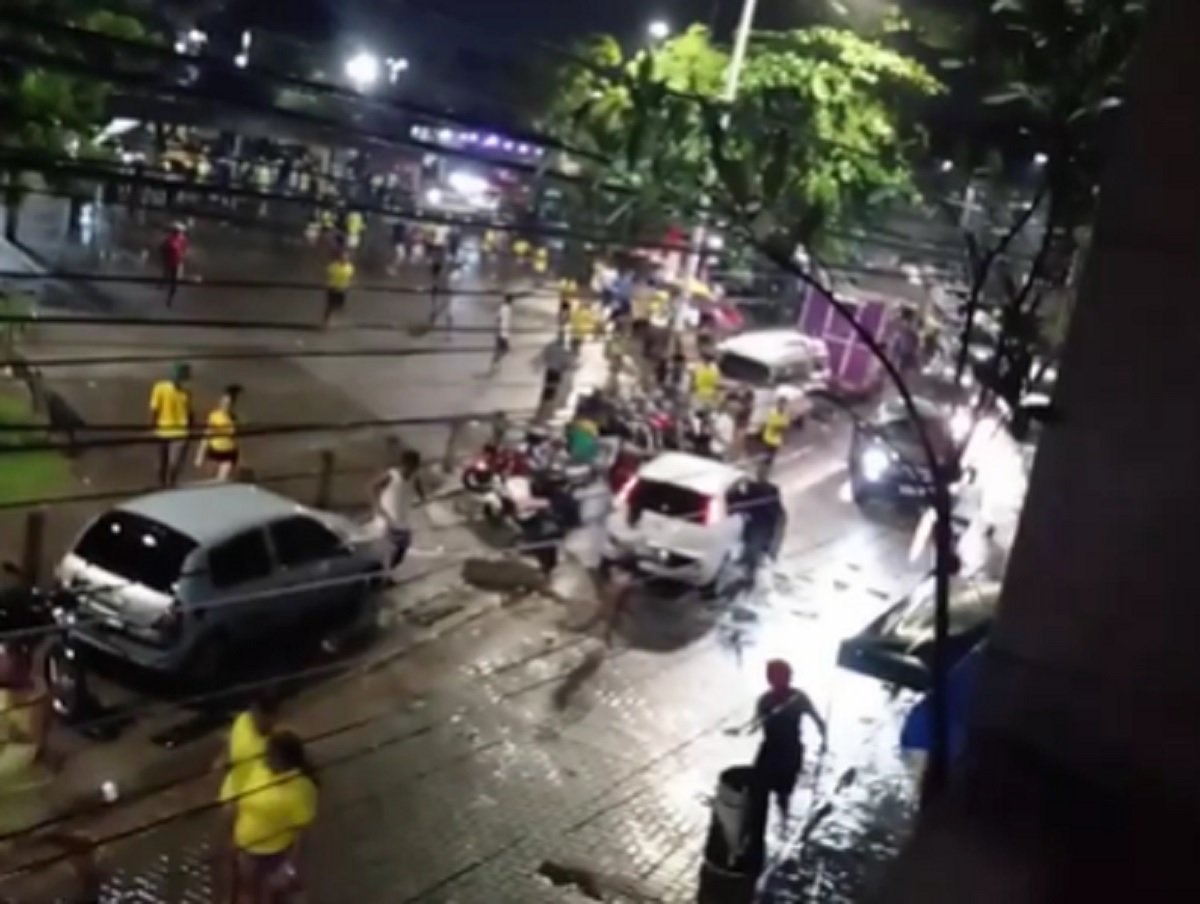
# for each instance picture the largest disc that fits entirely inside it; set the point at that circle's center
(874, 463)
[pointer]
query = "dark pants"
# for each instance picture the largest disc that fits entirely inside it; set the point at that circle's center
(171, 274)
(551, 384)
(401, 540)
(334, 302)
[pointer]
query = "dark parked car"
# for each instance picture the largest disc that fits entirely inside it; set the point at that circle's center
(897, 647)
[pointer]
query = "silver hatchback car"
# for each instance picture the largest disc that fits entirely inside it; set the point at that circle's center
(170, 581)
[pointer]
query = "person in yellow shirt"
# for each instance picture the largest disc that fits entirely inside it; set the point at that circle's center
(171, 418)
(355, 225)
(521, 249)
(706, 383)
(583, 324)
(774, 429)
(219, 447)
(339, 276)
(274, 800)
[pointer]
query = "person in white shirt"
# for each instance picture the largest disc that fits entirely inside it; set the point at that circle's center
(503, 328)
(394, 494)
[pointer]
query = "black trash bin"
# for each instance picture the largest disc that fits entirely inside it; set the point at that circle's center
(735, 850)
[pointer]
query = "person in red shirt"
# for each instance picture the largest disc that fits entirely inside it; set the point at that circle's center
(174, 251)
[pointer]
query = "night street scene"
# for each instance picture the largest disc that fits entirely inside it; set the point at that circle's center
(517, 451)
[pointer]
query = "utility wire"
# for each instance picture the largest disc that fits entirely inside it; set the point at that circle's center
(346, 669)
(352, 755)
(261, 355)
(136, 279)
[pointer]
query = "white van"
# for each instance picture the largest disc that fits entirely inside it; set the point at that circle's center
(775, 364)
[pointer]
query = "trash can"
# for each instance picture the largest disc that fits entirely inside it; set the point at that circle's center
(735, 850)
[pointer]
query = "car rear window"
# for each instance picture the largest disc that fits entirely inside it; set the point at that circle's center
(741, 369)
(667, 499)
(136, 548)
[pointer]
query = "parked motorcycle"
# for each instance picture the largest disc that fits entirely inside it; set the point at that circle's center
(33, 615)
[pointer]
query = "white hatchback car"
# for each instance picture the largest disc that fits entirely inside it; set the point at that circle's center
(775, 364)
(675, 520)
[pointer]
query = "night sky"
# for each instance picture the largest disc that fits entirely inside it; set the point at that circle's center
(551, 19)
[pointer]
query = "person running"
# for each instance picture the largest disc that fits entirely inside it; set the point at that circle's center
(779, 713)
(339, 276)
(274, 802)
(219, 447)
(393, 494)
(173, 252)
(774, 429)
(503, 330)
(171, 418)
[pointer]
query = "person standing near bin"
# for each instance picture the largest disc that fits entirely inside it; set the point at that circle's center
(171, 418)
(339, 276)
(778, 714)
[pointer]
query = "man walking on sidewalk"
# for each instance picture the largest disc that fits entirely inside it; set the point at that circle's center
(173, 252)
(171, 417)
(503, 330)
(339, 276)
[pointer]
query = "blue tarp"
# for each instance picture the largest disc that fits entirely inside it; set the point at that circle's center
(917, 733)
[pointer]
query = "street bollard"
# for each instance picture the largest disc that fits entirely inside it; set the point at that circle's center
(735, 850)
(325, 479)
(31, 553)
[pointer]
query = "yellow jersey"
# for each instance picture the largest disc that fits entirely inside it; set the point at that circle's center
(339, 275)
(354, 223)
(582, 323)
(271, 808)
(171, 406)
(775, 427)
(221, 432)
(706, 380)
(247, 746)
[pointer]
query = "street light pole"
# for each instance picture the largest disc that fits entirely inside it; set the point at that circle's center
(733, 81)
(741, 41)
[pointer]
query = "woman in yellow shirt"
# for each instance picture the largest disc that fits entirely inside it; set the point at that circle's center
(274, 800)
(219, 447)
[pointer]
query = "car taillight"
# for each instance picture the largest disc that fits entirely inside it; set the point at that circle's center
(714, 511)
(627, 490)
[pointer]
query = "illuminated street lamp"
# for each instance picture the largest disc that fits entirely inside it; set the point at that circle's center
(363, 70)
(659, 30)
(395, 67)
